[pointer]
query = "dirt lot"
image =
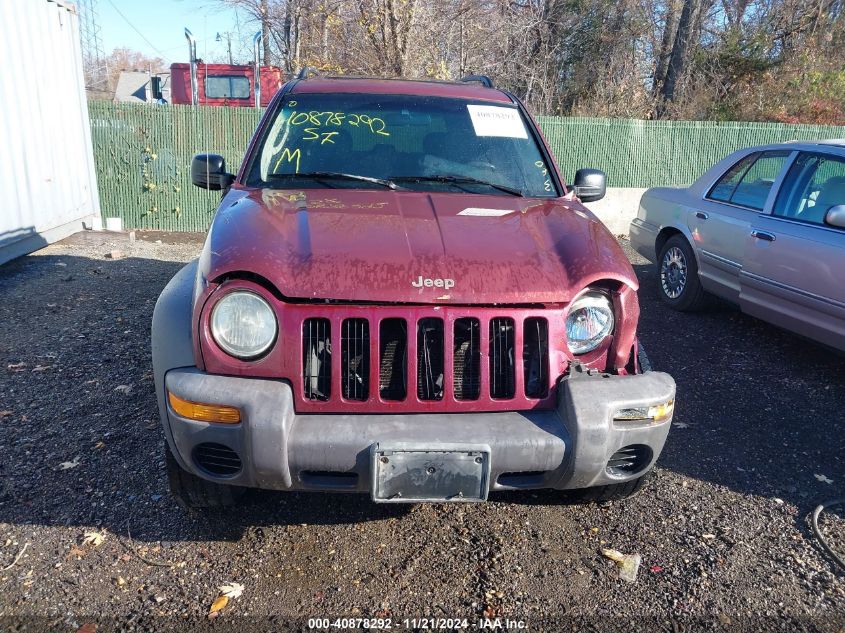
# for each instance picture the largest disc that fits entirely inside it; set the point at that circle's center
(722, 530)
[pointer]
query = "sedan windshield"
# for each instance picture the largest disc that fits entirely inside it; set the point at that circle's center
(401, 142)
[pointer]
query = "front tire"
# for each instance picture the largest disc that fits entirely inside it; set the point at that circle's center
(191, 491)
(678, 283)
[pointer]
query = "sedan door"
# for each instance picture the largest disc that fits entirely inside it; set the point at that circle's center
(724, 216)
(793, 266)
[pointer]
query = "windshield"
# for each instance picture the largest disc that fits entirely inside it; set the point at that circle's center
(410, 142)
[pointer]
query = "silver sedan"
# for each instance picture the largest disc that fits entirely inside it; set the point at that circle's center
(765, 229)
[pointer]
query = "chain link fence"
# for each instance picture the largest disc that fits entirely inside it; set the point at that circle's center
(143, 154)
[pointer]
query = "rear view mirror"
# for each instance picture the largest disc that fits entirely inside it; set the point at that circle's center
(590, 184)
(208, 171)
(835, 216)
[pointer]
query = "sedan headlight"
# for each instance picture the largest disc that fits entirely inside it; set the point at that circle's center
(589, 321)
(243, 324)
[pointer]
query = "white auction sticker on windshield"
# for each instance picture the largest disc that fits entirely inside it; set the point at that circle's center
(496, 121)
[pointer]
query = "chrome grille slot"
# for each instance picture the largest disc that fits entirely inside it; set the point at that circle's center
(355, 353)
(467, 359)
(316, 358)
(393, 359)
(430, 361)
(535, 357)
(502, 362)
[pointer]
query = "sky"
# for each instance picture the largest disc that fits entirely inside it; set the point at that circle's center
(159, 28)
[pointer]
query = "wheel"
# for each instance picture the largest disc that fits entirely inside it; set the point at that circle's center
(610, 492)
(191, 491)
(679, 285)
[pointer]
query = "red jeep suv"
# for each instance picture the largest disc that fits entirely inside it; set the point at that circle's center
(398, 295)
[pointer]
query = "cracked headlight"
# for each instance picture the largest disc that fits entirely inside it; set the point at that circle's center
(243, 325)
(589, 321)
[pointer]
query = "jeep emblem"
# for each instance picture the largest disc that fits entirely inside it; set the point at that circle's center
(427, 282)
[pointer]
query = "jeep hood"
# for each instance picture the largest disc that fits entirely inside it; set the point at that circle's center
(382, 247)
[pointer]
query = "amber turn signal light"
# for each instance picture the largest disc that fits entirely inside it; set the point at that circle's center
(204, 412)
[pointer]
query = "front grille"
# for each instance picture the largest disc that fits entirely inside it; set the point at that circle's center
(467, 359)
(502, 368)
(430, 359)
(217, 459)
(355, 345)
(393, 359)
(430, 365)
(535, 357)
(317, 358)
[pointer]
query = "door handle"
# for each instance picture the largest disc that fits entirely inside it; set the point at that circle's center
(701, 215)
(762, 235)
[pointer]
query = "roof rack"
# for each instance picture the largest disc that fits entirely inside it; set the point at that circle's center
(484, 80)
(308, 71)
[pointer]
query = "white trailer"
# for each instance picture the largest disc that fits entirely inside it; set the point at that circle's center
(48, 186)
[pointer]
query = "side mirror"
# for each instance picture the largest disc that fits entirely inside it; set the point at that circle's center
(590, 184)
(835, 216)
(208, 171)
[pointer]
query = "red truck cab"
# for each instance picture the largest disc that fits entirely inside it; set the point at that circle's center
(199, 83)
(224, 84)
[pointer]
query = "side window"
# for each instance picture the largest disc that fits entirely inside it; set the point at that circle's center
(755, 185)
(751, 186)
(815, 183)
(724, 188)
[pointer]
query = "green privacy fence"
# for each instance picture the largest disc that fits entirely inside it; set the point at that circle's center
(637, 153)
(143, 154)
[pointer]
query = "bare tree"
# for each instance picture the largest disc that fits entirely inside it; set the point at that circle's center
(632, 58)
(689, 29)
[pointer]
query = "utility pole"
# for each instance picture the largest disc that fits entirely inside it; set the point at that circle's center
(228, 44)
(265, 30)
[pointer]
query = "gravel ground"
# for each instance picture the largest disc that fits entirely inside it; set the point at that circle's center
(722, 530)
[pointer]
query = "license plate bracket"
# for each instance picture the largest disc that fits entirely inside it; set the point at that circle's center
(413, 474)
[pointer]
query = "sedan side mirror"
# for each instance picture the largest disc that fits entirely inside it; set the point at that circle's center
(835, 216)
(208, 171)
(590, 184)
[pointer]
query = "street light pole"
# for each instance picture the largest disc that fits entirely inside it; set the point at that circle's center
(228, 45)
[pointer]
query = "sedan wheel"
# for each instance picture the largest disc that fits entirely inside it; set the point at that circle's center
(673, 272)
(679, 284)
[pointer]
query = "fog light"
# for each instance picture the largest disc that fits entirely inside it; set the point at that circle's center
(204, 412)
(654, 413)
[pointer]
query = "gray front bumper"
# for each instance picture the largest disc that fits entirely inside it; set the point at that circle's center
(567, 447)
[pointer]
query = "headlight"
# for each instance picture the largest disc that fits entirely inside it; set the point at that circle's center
(243, 324)
(589, 321)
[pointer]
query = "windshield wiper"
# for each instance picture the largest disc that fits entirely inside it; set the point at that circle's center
(319, 175)
(459, 180)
